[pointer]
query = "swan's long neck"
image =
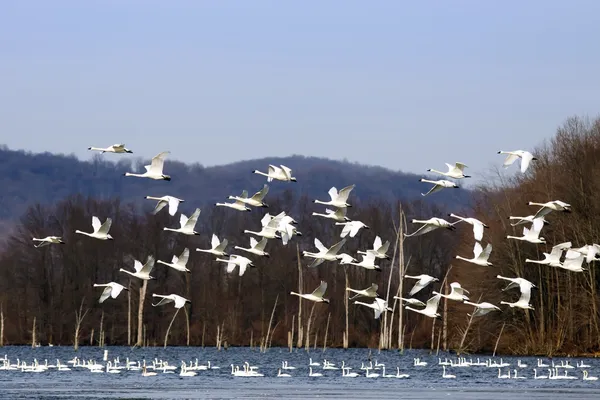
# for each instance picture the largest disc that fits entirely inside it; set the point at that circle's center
(162, 262)
(171, 229)
(439, 172)
(261, 173)
(132, 174)
(98, 149)
(462, 258)
(83, 233)
(322, 202)
(129, 272)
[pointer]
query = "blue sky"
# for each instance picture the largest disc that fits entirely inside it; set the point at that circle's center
(406, 85)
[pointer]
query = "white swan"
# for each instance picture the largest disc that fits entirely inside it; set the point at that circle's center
(240, 261)
(515, 376)
(587, 377)
(314, 374)
(324, 254)
(399, 375)
(446, 375)
(379, 305)
(338, 199)
(455, 171)
(531, 235)
(430, 225)
(456, 292)
(112, 289)
(547, 208)
(480, 256)
(505, 376)
(478, 226)
(142, 271)
(347, 374)
(412, 302)
(100, 230)
(552, 259)
(379, 249)
(525, 156)
(371, 291)
(217, 247)
(257, 199)
(525, 288)
(173, 203)
(367, 262)
(115, 148)
(280, 375)
(155, 169)
(269, 229)
(281, 173)
(238, 204)
(536, 376)
(423, 281)
(351, 228)
(589, 251)
(187, 224)
(316, 296)
(430, 309)
(48, 240)
(179, 263)
(177, 300)
(438, 185)
(338, 215)
(257, 248)
(525, 220)
(482, 308)
(573, 261)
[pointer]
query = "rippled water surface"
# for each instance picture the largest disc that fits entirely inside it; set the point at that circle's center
(425, 382)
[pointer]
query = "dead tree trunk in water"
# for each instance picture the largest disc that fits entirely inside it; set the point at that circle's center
(140, 331)
(79, 316)
(300, 327)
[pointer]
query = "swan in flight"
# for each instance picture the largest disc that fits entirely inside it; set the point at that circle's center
(438, 185)
(547, 208)
(531, 235)
(430, 309)
(552, 259)
(281, 173)
(316, 295)
(48, 240)
(589, 251)
(351, 228)
(339, 215)
(477, 225)
(430, 225)
(324, 254)
(378, 249)
(338, 199)
(423, 281)
(176, 299)
(412, 302)
(187, 224)
(257, 248)
(456, 292)
(217, 247)
(482, 308)
(155, 169)
(282, 224)
(525, 220)
(379, 305)
(525, 156)
(367, 262)
(455, 171)
(525, 288)
(173, 203)
(238, 204)
(240, 261)
(257, 199)
(142, 271)
(115, 148)
(573, 261)
(371, 291)
(112, 289)
(480, 256)
(179, 263)
(100, 230)
(270, 226)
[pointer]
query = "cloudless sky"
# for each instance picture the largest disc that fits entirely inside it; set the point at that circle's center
(407, 85)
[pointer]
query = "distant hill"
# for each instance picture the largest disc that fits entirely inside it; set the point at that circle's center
(27, 178)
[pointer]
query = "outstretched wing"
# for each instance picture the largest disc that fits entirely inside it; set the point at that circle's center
(179, 301)
(320, 246)
(525, 160)
(320, 291)
(333, 193)
(333, 250)
(163, 301)
(222, 245)
(478, 230)
(116, 290)
(173, 204)
(260, 195)
(214, 241)
(422, 230)
(346, 230)
(191, 222)
(137, 265)
(105, 294)
(148, 266)
(159, 206)
(345, 192)
(105, 226)
(184, 257)
(183, 220)
(510, 159)
(96, 223)
(435, 188)
(253, 242)
(287, 171)
(260, 245)
(157, 163)
(486, 252)
(417, 287)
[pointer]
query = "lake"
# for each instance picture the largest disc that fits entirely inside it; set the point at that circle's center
(425, 382)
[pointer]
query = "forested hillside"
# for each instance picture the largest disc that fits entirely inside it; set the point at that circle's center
(46, 178)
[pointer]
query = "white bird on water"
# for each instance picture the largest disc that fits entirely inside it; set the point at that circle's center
(155, 169)
(438, 185)
(379, 305)
(316, 295)
(478, 226)
(525, 156)
(100, 230)
(480, 256)
(338, 199)
(179, 263)
(234, 260)
(48, 240)
(371, 291)
(324, 254)
(176, 299)
(173, 203)
(455, 171)
(525, 288)
(257, 248)
(429, 225)
(531, 235)
(115, 148)
(552, 259)
(217, 247)
(281, 173)
(112, 289)
(187, 224)
(423, 281)
(142, 271)
(378, 249)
